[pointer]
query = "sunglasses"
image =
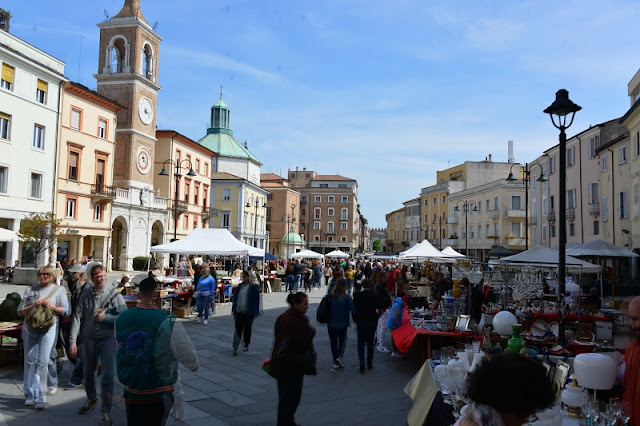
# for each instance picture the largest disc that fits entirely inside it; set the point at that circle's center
(44, 274)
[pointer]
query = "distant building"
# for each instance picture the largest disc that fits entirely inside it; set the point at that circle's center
(412, 233)
(281, 229)
(395, 231)
(329, 212)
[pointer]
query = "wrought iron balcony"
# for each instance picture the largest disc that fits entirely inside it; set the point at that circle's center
(594, 209)
(182, 206)
(533, 220)
(571, 214)
(209, 211)
(103, 192)
(551, 216)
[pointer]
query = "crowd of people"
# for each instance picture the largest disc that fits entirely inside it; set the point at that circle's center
(104, 336)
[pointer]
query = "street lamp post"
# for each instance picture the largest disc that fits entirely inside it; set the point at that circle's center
(561, 111)
(439, 230)
(526, 178)
(177, 176)
(466, 207)
(256, 204)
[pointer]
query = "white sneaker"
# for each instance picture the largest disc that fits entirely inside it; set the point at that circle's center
(383, 349)
(205, 322)
(29, 402)
(396, 355)
(340, 363)
(52, 390)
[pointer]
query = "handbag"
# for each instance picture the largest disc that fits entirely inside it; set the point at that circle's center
(301, 361)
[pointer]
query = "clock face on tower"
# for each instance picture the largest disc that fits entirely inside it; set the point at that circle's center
(145, 110)
(143, 160)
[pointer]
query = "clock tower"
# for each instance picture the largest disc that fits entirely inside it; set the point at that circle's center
(128, 74)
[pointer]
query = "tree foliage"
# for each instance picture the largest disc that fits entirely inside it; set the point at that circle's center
(40, 231)
(376, 245)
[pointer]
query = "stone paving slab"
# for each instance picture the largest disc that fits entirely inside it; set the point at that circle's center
(228, 390)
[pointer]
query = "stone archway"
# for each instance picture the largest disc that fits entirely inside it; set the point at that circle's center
(158, 237)
(119, 237)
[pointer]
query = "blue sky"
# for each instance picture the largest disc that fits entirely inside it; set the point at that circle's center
(385, 92)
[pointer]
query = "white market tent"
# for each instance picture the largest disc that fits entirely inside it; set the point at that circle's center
(307, 254)
(548, 258)
(599, 248)
(451, 252)
(7, 235)
(212, 242)
(423, 250)
(337, 253)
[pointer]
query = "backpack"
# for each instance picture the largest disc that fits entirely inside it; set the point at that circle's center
(323, 312)
(41, 317)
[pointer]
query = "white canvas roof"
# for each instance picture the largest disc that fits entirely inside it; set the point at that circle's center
(451, 252)
(212, 242)
(599, 248)
(337, 253)
(423, 250)
(546, 257)
(307, 254)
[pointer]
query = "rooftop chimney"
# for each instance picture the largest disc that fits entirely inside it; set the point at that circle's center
(511, 159)
(489, 157)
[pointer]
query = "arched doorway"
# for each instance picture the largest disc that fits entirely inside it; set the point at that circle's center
(158, 237)
(119, 233)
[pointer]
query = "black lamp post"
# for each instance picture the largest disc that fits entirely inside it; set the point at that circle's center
(256, 203)
(562, 111)
(466, 207)
(526, 178)
(439, 230)
(177, 176)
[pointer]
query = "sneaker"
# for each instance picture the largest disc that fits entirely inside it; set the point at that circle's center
(105, 419)
(198, 320)
(335, 366)
(339, 362)
(39, 405)
(88, 406)
(72, 386)
(361, 368)
(383, 349)
(52, 390)
(205, 322)
(245, 349)
(396, 355)
(235, 352)
(29, 402)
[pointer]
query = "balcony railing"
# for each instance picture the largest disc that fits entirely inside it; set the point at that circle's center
(182, 206)
(516, 213)
(103, 191)
(209, 211)
(515, 241)
(594, 209)
(571, 214)
(453, 242)
(452, 219)
(551, 216)
(533, 220)
(493, 213)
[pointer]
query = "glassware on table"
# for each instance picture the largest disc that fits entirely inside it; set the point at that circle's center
(611, 413)
(624, 413)
(594, 411)
(586, 409)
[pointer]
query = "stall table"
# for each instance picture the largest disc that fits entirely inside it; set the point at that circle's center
(425, 345)
(13, 330)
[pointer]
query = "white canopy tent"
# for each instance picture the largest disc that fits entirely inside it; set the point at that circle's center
(548, 258)
(307, 254)
(212, 242)
(599, 248)
(337, 253)
(7, 235)
(423, 250)
(451, 252)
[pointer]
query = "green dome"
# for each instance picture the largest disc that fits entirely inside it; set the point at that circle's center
(292, 237)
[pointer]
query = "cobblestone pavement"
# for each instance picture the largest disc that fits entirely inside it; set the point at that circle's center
(233, 390)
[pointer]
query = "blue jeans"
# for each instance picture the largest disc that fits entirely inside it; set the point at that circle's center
(338, 339)
(366, 332)
(37, 355)
(203, 305)
(105, 350)
(317, 281)
(289, 282)
(349, 286)
(78, 371)
(296, 282)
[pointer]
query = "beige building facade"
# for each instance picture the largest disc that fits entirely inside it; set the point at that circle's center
(283, 205)
(84, 191)
(395, 230)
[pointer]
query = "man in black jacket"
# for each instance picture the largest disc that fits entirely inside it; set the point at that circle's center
(366, 319)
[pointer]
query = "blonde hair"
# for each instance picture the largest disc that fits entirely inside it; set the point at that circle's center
(48, 270)
(205, 271)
